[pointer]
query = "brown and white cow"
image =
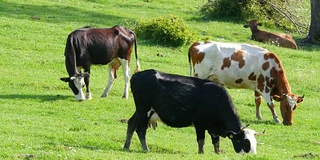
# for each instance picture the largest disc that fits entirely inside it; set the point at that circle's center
(102, 46)
(248, 67)
(279, 39)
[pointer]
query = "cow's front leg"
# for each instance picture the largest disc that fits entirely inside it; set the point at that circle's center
(110, 80)
(126, 74)
(216, 142)
(87, 82)
(273, 112)
(258, 100)
(270, 104)
(200, 138)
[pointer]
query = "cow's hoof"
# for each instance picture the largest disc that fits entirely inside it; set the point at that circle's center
(88, 98)
(219, 151)
(277, 121)
(259, 117)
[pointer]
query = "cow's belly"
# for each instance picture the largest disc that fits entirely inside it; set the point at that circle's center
(233, 80)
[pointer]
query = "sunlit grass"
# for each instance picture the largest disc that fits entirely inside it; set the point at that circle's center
(40, 119)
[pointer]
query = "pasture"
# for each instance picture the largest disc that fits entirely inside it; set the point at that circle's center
(40, 119)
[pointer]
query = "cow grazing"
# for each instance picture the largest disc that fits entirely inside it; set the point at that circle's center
(98, 46)
(280, 39)
(248, 67)
(180, 101)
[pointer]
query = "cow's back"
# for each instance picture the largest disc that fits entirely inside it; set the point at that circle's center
(172, 94)
(101, 45)
(230, 64)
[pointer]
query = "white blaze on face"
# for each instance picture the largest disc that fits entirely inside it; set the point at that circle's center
(292, 101)
(250, 135)
(79, 83)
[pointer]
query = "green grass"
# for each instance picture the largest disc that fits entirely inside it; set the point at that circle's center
(40, 119)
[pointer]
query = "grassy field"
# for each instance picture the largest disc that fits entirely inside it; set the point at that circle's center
(40, 119)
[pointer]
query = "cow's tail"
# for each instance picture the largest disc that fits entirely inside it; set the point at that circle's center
(136, 53)
(71, 55)
(190, 64)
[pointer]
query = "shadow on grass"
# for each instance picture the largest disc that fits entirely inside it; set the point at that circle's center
(57, 13)
(155, 149)
(41, 98)
(250, 121)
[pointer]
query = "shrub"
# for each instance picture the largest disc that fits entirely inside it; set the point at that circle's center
(286, 15)
(171, 31)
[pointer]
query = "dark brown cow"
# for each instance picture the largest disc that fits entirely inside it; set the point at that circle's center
(279, 39)
(249, 67)
(99, 46)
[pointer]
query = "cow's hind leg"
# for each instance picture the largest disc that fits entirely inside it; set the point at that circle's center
(126, 74)
(139, 124)
(132, 125)
(112, 72)
(142, 130)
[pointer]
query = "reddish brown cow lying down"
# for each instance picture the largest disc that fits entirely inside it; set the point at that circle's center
(280, 39)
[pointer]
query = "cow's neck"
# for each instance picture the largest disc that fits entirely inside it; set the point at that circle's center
(255, 30)
(233, 122)
(282, 83)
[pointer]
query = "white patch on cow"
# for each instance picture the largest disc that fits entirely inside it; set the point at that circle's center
(112, 71)
(79, 83)
(111, 77)
(88, 96)
(158, 76)
(292, 101)
(212, 66)
(216, 52)
(153, 119)
(250, 135)
(126, 74)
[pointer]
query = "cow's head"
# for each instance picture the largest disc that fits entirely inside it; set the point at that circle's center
(252, 24)
(244, 141)
(288, 103)
(76, 83)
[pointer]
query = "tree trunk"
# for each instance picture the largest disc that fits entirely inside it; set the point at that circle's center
(314, 32)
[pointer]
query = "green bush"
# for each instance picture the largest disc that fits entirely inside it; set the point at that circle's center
(270, 12)
(224, 9)
(171, 31)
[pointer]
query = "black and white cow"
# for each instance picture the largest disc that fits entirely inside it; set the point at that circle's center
(86, 46)
(180, 101)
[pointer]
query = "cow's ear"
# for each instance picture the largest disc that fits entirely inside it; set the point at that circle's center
(259, 24)
(231, 134)
(277, 98)
(259, 133)
(242, 128)
(85, 74)
(300, 99)
(245, 26)
(65, 79)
